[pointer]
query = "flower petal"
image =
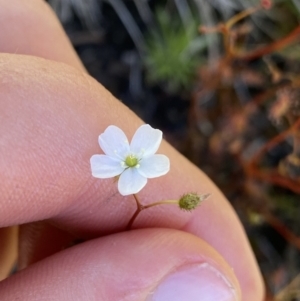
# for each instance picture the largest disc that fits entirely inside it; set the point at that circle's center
(154, 166)
(105, 167)
(114, 142)
(145, 141)
(131, 182)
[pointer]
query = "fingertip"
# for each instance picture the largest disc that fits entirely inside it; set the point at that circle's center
(31, 27)
(149, 264)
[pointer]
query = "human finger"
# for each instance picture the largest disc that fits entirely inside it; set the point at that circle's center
(31, 27)
(149, 264)
(51, 116)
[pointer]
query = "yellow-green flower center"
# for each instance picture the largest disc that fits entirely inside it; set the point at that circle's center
(131, 161)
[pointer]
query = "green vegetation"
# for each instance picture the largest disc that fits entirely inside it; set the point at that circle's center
(172, 54)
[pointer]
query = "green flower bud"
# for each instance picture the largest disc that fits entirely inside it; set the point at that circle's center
(191, 201)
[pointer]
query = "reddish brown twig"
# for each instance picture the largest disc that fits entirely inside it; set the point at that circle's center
(282, 43)
(282, 229)
(139, 208)
(273, 177)
(273, 142)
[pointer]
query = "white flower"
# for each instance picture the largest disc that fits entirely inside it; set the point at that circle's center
(134, 163)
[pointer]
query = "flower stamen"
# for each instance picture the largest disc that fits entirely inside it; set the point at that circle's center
(131, 161)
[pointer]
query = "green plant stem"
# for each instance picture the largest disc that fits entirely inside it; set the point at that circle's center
(161, 203)
(141, 207)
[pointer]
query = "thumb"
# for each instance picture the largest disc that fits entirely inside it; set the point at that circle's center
(147, 264)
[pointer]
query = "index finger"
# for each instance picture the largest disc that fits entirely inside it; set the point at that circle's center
(51, 116)
(36, 17)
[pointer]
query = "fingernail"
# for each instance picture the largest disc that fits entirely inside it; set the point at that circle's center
(200, 282)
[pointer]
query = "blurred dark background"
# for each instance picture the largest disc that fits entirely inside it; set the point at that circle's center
(221, 79)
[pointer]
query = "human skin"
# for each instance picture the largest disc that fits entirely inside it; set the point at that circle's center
(51, 113)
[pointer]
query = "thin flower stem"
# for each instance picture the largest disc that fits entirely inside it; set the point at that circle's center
(134, 216)
(161, 203)
(138, 203)
(141, 207)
